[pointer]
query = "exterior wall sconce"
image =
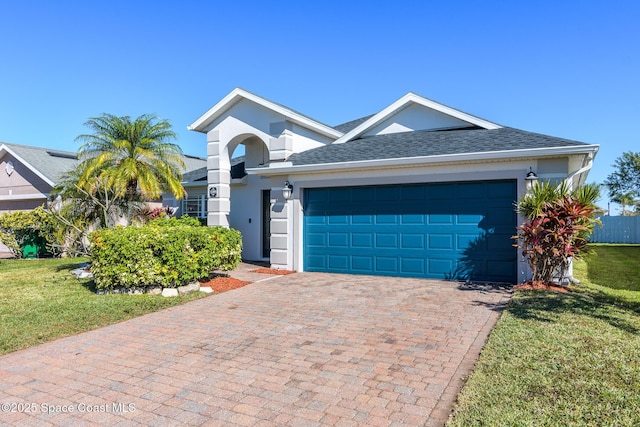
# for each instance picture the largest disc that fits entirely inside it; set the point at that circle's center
(531, 179)
(287, 190)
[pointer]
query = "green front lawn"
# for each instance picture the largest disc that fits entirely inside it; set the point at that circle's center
(41, 301)
(564, 359)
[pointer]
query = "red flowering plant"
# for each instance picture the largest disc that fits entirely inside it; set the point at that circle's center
(557, 234)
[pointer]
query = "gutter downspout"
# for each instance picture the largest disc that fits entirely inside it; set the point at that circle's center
(569, 179)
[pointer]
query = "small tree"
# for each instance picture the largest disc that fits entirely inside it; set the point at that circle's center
(625, 180)
(624, 200)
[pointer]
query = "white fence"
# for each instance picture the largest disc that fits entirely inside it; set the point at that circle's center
(617, 229)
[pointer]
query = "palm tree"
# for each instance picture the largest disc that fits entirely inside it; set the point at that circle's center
(625, 199)
(136, 159)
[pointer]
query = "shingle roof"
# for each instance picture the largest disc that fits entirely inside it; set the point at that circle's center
(429, 143)
(200, 174)
(348, 126)
(55, 163)
(50, 163)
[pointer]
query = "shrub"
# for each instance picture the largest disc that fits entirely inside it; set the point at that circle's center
(557, 234)
(36, 226)
(146, 214)
(166, 252)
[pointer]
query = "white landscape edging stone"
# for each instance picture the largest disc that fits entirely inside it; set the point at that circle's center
(170, 292)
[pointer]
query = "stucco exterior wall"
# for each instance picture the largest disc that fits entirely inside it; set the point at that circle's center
(22, 180)
(246, 215)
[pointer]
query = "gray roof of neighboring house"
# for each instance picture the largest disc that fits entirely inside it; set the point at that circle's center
(429, 143)
(193, 166)
(55, 163)
(49, 162)
(200, 174)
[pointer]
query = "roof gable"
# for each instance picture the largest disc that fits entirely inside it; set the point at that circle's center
(412, 113)
(203, 122)
(46, 163)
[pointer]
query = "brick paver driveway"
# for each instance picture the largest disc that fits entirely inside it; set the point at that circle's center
(305, 349)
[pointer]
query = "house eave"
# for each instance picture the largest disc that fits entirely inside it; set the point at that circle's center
(204, 121)
(288, 168)
(19, 197)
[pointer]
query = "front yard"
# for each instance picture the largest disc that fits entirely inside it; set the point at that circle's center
(564, 359)
(41, 301)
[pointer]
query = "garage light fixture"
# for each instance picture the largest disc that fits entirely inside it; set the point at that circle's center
(287, 190)
(531, 179)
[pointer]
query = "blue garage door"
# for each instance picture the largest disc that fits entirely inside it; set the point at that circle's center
(454, 231)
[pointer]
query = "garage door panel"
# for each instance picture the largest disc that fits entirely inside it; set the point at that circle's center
(336, 219)
(501, 190)
(470, 218)
(440, 267)
(359, 218)
(338, 262)
(440, 192)
(423, 230)
(316, 239)
(364, 194)
(340, 195)
(362, 240)
(438, 219)
(413, 266)
(412, 241)
(386, 219)
(362, 264)
(471, 191)
(413, 193)
(440, 241)
(412, 219)
(316, 262)
(339, 240)
(386, 241)
(386, 264)
(498, 242)
(387, 194)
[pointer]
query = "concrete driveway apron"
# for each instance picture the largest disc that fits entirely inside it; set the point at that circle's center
(302, 350)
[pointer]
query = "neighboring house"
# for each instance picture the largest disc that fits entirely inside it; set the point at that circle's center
(28, 174)
(418, 189)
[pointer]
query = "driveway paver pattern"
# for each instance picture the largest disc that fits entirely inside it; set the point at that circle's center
(301, 350)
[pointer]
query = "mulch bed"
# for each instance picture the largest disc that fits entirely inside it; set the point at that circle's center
(531, 285)
(223, 284)
(272, 271)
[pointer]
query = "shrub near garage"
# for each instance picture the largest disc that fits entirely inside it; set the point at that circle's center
(166, 252)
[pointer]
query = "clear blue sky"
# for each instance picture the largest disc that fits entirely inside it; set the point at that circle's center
(564, 68)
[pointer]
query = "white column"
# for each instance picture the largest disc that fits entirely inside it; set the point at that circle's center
(281, 230)
(219, 178)
(281, 143)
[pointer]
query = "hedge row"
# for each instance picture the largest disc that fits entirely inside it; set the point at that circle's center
(165, 252)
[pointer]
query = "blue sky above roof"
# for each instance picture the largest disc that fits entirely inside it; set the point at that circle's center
(567, 69)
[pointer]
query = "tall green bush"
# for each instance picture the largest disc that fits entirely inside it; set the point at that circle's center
(167, 253)
(35, 226)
